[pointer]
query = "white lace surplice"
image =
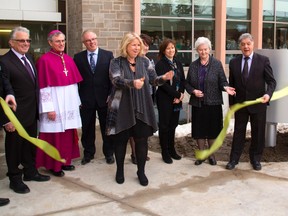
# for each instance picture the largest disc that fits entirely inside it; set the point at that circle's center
(65, 101)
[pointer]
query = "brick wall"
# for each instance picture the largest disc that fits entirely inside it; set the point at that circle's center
(110, 19)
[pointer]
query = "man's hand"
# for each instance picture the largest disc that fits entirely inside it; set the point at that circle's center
(265, 98)
(9, 127)
(10, 100)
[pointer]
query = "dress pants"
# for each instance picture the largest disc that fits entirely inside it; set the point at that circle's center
(258, 123)
(88, 116)
(20, 151)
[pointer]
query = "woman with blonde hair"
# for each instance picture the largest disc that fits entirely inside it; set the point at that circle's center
(130, 106)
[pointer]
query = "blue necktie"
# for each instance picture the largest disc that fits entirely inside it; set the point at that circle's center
(28, 68)
(92, 62)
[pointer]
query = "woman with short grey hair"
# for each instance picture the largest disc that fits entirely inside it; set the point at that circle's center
(205, 82)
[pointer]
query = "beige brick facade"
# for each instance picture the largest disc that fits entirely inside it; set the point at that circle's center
(109, 19)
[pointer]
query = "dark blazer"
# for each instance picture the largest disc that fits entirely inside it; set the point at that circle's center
(3, 118)
(260, 81)
(214, 83)
(16, 81)
(95, 87)
(167, 92)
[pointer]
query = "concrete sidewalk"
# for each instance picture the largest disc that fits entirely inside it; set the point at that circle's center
(177, 189)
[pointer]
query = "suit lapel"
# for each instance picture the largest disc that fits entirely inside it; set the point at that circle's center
(86, 62)
(21, 68)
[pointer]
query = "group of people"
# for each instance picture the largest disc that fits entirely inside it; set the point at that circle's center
(66, 93)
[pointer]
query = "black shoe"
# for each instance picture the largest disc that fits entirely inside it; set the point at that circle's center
(58, 174)
(85, 161)
(231, 165)
(142, 179)
(38, 177)
(133, 159)
(198, 162)
(4, 201)
(175, 156)
(119, 178)
(212, 161)
(68, 167)
(19, 187)
(166, 158)
(110, 160)
(256, 165)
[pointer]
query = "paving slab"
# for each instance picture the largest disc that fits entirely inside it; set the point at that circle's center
(180, 188)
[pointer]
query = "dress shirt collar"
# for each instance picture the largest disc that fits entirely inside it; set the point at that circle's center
(96, 52)
(250, 57)
(18, 54)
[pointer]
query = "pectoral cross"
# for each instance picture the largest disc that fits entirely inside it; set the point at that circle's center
(65, 71)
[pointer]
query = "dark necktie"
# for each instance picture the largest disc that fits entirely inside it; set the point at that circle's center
(28, 68)
(92, 62)
(245, 72)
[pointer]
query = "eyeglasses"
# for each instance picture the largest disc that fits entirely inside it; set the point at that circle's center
(90, 41)
(23, 40)
(60, 41)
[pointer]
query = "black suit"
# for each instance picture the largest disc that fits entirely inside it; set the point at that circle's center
(94, 91)
(17, 81)
(260, 81)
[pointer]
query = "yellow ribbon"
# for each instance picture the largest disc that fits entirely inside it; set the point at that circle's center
(203, 154)
(43, 145)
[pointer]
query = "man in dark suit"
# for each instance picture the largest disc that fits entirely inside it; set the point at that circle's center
(94, 90)
(10, 99)
(18, 74)
(252, 77)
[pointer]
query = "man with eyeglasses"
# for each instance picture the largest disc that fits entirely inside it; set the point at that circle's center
(19, 79)
(93, 64)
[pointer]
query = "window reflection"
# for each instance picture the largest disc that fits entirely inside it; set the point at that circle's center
(178, 29)
(205, 29)
(268, 36)
(282, 10)
(238, 9)
(282, 36)
(178, 8)
(268, 10)
(233, 31)
(204, 8)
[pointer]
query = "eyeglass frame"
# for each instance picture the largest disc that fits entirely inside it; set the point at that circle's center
(22, 41)
(91, 40)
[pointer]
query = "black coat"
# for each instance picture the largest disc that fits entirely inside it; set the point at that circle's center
(17, 81)
(95, 87)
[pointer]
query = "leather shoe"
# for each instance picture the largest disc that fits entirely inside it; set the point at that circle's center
(68, 167)
(58, 174)
(85, 161)
(198, 162)
(256, 165)
(175, 156)
(38, 177)
(212, 161)
(4, 201)
(19, 187)
(231, 165)
(110, 160)
(166, 158)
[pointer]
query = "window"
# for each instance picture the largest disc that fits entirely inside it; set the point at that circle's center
(238, 22)
(181, 20)
(275, 24)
